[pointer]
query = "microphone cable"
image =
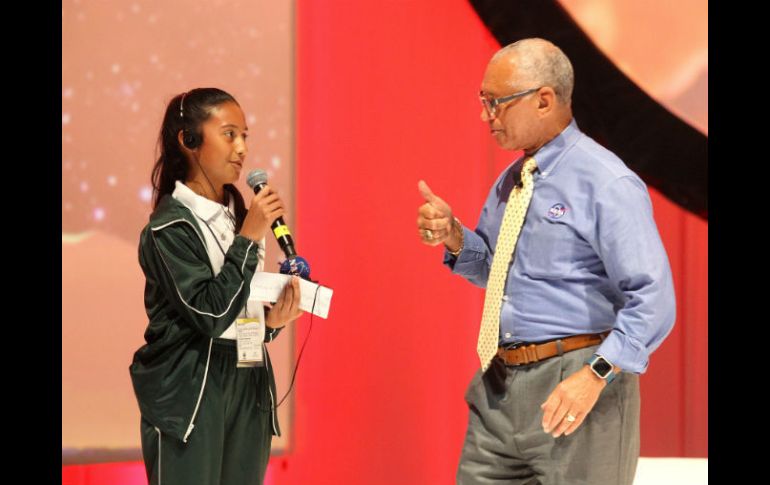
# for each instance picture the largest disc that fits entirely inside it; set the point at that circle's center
(302, 349)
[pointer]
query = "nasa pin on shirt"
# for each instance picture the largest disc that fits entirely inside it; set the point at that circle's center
(556, 211)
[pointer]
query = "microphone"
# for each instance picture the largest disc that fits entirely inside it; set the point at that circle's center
(294, 264)
(257, 179)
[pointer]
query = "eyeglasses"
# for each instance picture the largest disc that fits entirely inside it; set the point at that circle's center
(491, 104)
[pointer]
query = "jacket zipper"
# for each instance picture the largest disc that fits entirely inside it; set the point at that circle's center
(208, 358)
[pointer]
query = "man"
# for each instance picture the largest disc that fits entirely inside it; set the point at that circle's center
(578, 288)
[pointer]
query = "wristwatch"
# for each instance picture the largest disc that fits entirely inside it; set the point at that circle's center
(602, 367)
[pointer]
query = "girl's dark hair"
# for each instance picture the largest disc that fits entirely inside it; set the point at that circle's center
(172, 164)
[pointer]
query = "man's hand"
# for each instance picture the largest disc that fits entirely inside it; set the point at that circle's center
(435, 221)
(574, 397)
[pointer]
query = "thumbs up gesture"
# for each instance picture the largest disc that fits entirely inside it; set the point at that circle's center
(435, 222)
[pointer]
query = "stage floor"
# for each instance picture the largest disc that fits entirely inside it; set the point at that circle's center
(672, 471)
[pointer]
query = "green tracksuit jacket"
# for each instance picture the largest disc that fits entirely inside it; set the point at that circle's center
(188, 307)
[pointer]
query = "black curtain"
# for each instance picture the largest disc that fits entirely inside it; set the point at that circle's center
(664, 150)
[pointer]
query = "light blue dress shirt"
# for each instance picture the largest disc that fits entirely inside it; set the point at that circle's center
(589, 257)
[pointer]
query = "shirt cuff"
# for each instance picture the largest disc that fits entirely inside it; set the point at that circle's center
(474, 249)
(625, 352)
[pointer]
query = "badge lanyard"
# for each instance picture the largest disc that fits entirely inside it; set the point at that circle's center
(250, 332)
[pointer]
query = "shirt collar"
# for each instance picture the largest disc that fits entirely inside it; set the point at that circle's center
(202, 207)
(549, 155)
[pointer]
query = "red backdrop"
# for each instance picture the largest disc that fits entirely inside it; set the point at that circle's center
(386, 95)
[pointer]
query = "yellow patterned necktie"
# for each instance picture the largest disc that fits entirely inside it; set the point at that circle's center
(513, 218)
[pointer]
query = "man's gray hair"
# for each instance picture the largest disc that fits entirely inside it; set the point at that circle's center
(540, 63)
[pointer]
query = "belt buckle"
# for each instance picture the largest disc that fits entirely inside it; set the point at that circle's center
(518, 346)
(514, 346)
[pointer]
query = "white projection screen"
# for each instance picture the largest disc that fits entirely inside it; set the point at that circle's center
(122, 62)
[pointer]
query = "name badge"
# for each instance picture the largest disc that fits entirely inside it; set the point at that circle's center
(250, 334)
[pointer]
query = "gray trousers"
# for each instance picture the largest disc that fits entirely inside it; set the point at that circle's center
(506, 444)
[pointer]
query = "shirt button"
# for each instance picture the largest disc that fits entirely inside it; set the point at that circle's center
(223, 236)
(507, 334)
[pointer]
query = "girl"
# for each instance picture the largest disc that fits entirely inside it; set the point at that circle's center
(204, 384)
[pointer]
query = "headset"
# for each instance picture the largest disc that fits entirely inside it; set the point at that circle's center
(190, 139)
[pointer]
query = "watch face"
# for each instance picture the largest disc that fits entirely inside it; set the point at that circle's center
(602, 367)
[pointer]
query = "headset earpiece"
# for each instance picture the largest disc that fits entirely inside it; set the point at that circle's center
(190, 139)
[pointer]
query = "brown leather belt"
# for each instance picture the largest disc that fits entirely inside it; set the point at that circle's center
(529, 353)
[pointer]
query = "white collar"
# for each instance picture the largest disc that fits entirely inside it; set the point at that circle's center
(202, 207)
